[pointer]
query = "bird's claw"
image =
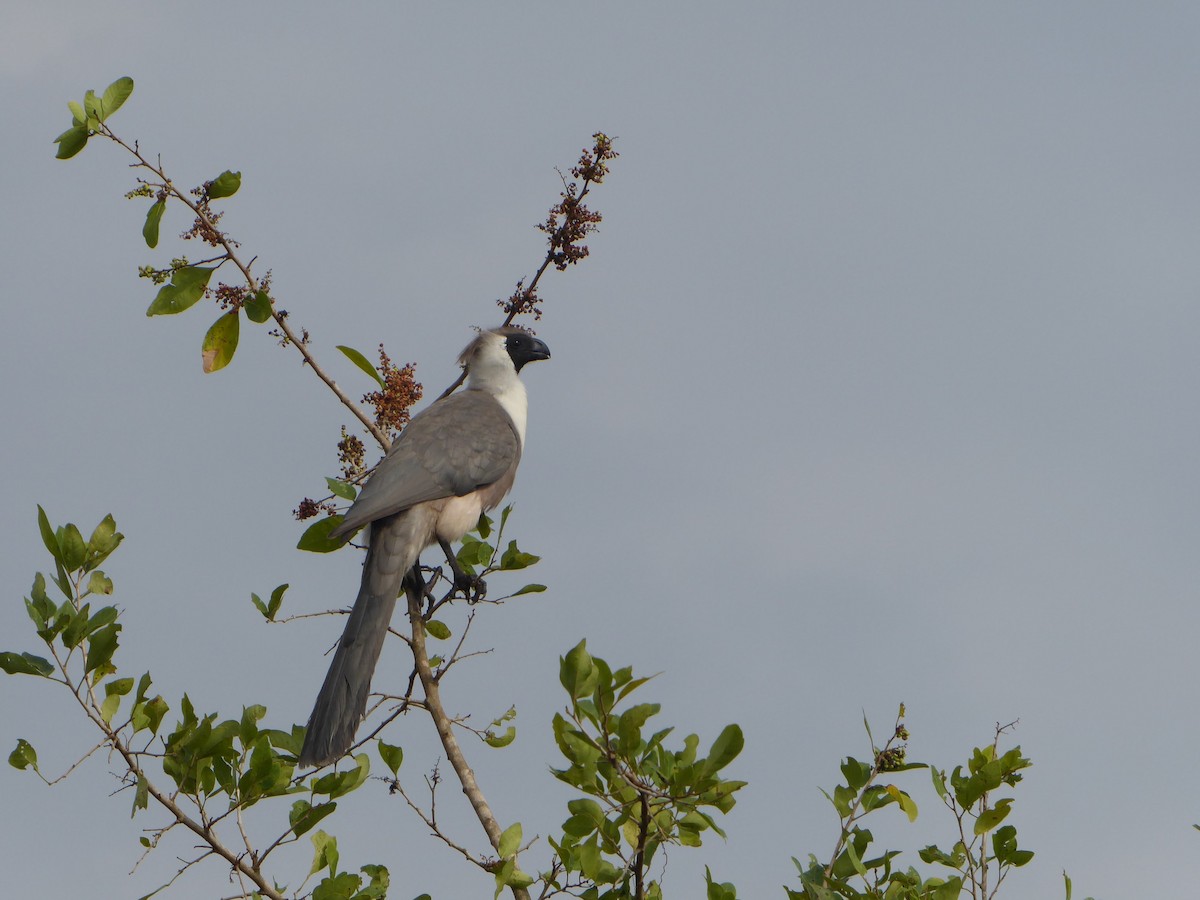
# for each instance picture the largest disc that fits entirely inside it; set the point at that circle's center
(472, 587)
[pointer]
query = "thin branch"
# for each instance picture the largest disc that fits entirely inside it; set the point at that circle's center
(414, 590)
(87, 701)
(252, 283)
(431, 823)
(551, 255)
(77, 764)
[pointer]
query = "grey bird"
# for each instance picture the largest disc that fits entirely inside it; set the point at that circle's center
(454, 460)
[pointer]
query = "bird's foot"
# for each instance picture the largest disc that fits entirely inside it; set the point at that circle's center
(472, 587)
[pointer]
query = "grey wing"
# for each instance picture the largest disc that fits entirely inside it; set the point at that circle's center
(457, 445)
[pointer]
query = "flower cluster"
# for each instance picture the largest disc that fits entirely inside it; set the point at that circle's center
(309, 508)
(399, 393)
(351, 454)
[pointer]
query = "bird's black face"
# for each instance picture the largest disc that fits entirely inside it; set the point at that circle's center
(523, 348)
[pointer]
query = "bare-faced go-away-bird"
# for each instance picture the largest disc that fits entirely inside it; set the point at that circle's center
(454, 460)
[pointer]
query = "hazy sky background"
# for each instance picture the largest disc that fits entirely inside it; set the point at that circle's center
(879, 386)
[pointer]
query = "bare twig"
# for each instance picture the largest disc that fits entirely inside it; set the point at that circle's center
(430, 821)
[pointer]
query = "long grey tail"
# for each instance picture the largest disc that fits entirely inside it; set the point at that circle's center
(343, 698)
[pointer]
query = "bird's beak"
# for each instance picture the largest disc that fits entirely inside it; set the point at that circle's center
(528, 350)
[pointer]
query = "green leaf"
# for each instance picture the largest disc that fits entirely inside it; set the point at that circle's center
(187, 286)
(723, 891)
(48, 536)
(437, 630)
(630, 686)
(578, 826)
(724, 750)
(304, 816)
(148, 714)
(93, 106)
(258, 307)
(109, 708)
(906, 802)
(501, 740)
(113, 692)
(99, 583)
(939, 781)
(40, 608)
(510, 841)
(484, 526)
(24, 757)
(990, 818)
(530, 589)
(101, 648)
(380, 881)
(951, 889)
(220, 343)
(576, 671)
(516, 559)
(71, 141)
(143, 685)
(342, 886)
(1004, 845)
(224, 185)
(856, 773)
(73, 546)
(74, 625)
(116, 94)
(341, 489)
(62, 581)
(392, 757)
(271, 608)
(276, 601)
(141, 797)
(316, 537)
(78, 116)
(326, 855)
(338, 784)
(104, 615)
(362, 362)
(25, 664)
(153, 218)
(104, 539)
(474, 553)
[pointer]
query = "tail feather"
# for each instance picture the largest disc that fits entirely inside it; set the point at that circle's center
(342, 701)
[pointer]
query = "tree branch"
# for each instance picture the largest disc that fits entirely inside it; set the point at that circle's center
(252, 282)
(414, 590)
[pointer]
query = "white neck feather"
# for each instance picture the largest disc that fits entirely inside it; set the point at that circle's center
(516, 404)
(491, 369)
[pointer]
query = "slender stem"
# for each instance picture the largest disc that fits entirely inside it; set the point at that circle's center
(252, 283)
(415, 592)
(431, 823)
(202, 830)
(537, 276)
(640, 862)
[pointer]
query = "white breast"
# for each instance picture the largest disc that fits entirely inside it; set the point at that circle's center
(516, 404)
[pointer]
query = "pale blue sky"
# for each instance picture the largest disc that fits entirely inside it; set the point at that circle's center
(878, 387)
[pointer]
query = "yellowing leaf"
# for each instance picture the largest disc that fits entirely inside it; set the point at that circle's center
(220, 343)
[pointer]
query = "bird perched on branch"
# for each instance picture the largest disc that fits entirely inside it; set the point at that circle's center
(456, 459)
